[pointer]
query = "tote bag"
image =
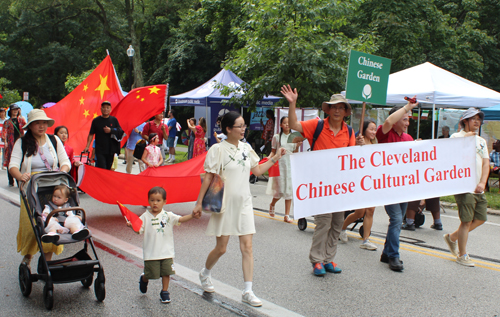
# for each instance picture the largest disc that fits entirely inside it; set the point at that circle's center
(212, 201)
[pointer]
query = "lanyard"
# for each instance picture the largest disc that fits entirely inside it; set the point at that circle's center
(44, 159)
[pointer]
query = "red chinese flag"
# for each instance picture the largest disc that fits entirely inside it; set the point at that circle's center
(139, 105)
(1, 97)
(130, 216)
(77, 110)
(273, 171)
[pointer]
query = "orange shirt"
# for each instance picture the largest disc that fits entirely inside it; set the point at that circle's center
(326, 139)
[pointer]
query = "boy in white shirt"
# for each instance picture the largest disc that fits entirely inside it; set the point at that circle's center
(472, 207)
(158, 245)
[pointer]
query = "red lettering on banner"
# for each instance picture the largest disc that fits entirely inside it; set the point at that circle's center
(342, 161)
(323, 190)
(404, 158)
(298, 192)
(363, 183)
(372, 161)
(362, 162)
(311, 188)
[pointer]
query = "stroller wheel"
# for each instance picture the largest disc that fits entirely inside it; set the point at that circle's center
(87, 282)
(25, 279)
(48, 297)
(100, 290)
(302, 224)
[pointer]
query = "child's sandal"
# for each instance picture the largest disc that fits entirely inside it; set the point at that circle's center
(287, 219)
(271, 210)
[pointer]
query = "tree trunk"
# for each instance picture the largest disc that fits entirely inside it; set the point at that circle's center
(136, 44)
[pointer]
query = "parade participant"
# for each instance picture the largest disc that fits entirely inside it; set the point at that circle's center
(62, 133)
(43, 153)
(191, 122)
(235, 160)
(267, 132)
(172, 132)
(155, 126)
(2, 138)
(158, 244)
(472, 207)
(135, 136)
(445, 132)
(431, 204)
(72, 222)
(369, 132)
(335, 134)
(219, 137)
(281, 186)
(495, 157)
(199, 134)
(394, 130)
(152, 155)
(12, 130)
(108, 134)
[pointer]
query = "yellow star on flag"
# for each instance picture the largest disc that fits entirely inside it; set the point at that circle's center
(138, 97)
(81, 101)
(95, 115)
(85, 87)
(102, 86)
(154, 90)
(142, 99)
(138, 91)
(86, 113)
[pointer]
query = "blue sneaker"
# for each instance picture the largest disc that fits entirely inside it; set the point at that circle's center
(143, 286)
(331, 267)
(165, 297)
(318, 269)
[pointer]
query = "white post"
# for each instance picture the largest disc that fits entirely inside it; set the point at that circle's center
(418, 122)
(433, 123)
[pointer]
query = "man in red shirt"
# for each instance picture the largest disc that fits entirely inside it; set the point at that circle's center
(335, 134)
(394, 130)
(155, 126)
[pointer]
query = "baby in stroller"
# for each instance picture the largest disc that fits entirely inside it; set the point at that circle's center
(72, 223)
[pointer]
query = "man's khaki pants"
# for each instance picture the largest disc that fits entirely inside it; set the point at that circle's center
(326, 236)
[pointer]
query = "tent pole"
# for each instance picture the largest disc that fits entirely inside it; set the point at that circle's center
(433, 123)
(418, 122)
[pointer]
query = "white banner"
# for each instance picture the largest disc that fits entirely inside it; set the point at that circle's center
(381, 174)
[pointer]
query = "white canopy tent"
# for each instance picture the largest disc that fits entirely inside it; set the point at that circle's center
(436, 87)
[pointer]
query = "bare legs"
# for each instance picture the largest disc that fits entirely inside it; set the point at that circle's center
(246, 253)
(288, 205)
(367, 213)
(462, 234)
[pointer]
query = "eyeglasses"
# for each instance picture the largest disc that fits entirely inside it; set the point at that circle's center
(337, 108)
(243, 126)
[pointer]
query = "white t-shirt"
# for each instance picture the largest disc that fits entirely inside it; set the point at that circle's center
(481, 152)
(37, 164)
(158, 232)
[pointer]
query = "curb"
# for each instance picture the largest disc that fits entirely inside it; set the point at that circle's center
(454, 205)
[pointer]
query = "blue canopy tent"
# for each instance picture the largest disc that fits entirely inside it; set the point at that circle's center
(492, 113)
(210, 103)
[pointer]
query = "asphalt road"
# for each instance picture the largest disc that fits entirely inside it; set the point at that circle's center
(432, 284)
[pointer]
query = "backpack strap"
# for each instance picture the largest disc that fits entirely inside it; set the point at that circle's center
(317, 132)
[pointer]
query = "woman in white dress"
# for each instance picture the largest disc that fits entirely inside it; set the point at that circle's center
(234, 160)
(281, 186)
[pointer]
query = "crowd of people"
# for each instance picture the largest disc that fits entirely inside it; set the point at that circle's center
(29, 149)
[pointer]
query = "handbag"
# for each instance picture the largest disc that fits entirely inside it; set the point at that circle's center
(140, 146)
(212, 201)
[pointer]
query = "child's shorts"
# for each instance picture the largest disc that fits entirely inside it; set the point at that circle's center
(154, 269)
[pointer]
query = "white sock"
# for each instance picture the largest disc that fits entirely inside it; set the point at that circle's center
(173, 157)
(248, 287)
(169, 156)
(205, 272)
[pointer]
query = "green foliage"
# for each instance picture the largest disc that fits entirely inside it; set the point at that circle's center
(300, 43)
(73, 81)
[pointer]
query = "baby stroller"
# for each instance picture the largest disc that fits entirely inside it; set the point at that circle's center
(77, 268)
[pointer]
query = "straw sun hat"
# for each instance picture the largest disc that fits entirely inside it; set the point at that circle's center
(38, 115)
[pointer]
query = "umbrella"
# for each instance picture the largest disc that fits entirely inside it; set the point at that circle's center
(48, 104)
(25, 107)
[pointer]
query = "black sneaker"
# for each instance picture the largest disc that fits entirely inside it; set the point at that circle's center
(437, 226)
(143, 286)
(165, 297)
(406, 226)
(384, 258)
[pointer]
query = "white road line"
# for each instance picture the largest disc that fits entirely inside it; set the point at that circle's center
(228, 291)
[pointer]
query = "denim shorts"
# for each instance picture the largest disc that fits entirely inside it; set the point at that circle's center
(170, 142)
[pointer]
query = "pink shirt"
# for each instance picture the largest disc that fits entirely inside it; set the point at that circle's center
(392, 136)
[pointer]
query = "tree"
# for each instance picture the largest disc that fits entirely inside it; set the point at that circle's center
(295, 42)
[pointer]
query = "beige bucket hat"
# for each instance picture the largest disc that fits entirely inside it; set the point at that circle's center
(38, 115)
(335, 99)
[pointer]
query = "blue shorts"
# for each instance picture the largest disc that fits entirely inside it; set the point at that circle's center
(170, 142)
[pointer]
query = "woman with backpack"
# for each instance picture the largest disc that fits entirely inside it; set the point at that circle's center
(12, 130)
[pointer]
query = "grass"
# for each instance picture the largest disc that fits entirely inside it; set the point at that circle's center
(493, 198)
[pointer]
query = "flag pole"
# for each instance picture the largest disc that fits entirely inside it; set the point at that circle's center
(362, 119)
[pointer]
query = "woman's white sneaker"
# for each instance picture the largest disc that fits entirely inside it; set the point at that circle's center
(465, 260)
(206, 283)
(368, 245)
(250, 298)
(343, 236)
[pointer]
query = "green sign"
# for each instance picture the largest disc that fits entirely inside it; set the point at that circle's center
(367, 78)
